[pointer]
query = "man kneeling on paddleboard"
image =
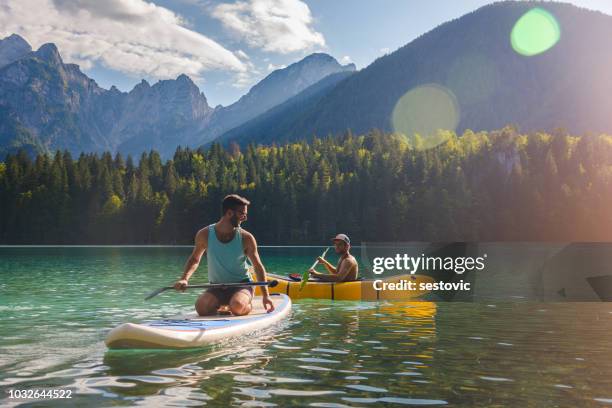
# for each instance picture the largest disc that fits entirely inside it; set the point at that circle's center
(347, 268)
(227, 246)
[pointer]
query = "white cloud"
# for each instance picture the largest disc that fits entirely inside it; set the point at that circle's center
(272, 67)
(242, 55)
(246, 79)
(131, 36)
(346, 60)
(281, 26)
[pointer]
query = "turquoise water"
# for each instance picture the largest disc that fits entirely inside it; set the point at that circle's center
(58, 304)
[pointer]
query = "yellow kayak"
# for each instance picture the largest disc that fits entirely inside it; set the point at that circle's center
(355, 290)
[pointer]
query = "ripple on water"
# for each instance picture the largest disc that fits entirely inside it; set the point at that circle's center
(175, 397)
(105, 382)
(281, 347)
(331, 351)
(396, 400)
(253, 392)
(316, 360)
(363, 306)
(175, 372)
(16, 308)
(267, 380)
(314, 368)
(495, 379)
(303, 393)
(367, 388)
(258, 404)
(149, 379)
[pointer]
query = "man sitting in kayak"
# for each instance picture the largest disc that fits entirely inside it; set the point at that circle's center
(347, 268)
(226, 246)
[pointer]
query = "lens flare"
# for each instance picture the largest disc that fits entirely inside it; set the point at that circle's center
(535, 32)
(422, 112)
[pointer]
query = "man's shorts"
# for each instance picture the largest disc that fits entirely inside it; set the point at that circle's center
(225, 295)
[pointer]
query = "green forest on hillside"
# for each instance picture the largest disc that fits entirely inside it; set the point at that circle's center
(487, 186)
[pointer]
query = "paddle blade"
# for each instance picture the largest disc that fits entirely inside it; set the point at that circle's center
(155, 293)
(305, 277)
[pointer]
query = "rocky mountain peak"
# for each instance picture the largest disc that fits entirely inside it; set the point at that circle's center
(48, 52)
(277, 87)
(184, 79)
(140, 88)
(12, 48)
(322, 58)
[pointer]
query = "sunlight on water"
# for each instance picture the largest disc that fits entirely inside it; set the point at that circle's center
(535, 32)
(422, 112)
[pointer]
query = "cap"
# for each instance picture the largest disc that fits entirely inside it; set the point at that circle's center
(342, 237)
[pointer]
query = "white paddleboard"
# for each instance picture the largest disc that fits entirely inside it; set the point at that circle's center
(191, 330)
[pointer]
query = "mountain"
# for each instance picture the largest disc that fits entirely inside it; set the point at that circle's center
(283, 118)
(163, 116)
(46, 104)
(567, 86)
(277, 87)
(13, 48)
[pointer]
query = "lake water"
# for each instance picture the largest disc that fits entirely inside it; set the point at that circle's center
(58, 304)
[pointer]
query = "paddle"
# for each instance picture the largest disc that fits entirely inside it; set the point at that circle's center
(305, 274)
(214, 285)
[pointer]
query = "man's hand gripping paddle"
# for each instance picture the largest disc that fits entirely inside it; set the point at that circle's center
(306, 274)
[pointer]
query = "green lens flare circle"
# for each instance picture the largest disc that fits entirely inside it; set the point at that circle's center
(423, 112)
(535, 32)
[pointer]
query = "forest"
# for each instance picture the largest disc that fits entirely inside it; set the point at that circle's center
(478, 186)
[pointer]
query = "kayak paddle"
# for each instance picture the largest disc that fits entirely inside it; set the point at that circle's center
(306, 274)
(271, 284)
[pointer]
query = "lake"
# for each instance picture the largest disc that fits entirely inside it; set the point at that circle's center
(58, 304)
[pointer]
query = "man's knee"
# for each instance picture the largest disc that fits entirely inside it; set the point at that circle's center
(240, 304)
(207, 304)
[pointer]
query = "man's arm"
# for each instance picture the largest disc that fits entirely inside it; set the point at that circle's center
(330, 268)
(201, 243)
(345, 269)
(250, 249)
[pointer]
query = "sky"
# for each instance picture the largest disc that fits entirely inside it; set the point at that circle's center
(225, 46)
